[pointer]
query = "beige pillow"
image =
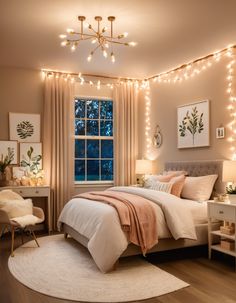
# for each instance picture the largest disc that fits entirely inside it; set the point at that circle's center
(17, 208)
(198, 188)
(161, 186)
(177, 185)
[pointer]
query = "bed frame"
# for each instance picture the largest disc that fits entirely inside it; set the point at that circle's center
(194, 168)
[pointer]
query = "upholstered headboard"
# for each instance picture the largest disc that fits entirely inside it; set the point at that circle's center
(200, 168)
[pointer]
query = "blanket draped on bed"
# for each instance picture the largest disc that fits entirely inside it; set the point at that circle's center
(137, 216)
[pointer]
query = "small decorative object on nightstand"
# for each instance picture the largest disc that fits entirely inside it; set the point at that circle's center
(225, 212)
(229, 175)
(143, 167)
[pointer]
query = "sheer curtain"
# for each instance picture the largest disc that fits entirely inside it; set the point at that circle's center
(58, 140)
(125, 98)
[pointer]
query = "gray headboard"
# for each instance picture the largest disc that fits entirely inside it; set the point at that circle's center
(200, 168)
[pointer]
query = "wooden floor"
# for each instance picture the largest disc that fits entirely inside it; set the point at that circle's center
(210, 281)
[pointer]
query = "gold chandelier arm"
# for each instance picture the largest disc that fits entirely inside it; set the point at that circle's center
(96, 48)
(117, 42)
(84, 35)
(78, 40)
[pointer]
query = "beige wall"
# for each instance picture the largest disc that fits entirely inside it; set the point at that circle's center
(21, 90)
(165, 98)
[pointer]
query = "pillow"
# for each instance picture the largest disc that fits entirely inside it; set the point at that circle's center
(162, 186)
(151, 179)
(198, 188)
(177, 185)
(17, 208)
(175, 172)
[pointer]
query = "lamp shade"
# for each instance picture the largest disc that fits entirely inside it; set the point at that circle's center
(229, 171)
(143, 167)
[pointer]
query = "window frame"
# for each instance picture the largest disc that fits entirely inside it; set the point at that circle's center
(85, 137)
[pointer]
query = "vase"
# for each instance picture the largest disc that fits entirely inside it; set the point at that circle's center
(3, 179)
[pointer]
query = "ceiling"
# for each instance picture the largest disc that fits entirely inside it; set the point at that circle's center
(168, 32)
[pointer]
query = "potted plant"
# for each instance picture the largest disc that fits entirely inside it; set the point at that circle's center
(4, 163)
(231, 191)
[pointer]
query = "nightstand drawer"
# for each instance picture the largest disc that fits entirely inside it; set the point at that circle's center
(222, 212)
(32, 192)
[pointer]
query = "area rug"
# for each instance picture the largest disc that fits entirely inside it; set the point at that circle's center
(64, 269)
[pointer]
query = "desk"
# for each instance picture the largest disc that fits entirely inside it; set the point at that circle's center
(32, 192)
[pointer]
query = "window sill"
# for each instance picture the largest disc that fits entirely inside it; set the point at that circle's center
(93, 184)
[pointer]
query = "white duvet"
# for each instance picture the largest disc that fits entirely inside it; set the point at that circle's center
(100, 224)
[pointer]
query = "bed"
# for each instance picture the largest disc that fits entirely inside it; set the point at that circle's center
(77, 221)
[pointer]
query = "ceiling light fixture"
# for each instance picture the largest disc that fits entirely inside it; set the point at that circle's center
(100, 38)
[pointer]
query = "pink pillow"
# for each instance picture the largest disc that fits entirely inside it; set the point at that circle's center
(165, 178)
(178, 184)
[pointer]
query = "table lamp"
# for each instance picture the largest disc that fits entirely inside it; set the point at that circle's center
(229, 175)
(143, 167)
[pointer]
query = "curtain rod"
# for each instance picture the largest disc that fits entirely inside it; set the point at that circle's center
(90, 75)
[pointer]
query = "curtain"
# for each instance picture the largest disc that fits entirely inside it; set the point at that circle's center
(125, 98)
(58, 141)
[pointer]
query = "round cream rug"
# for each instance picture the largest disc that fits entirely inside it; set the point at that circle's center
(64, 269)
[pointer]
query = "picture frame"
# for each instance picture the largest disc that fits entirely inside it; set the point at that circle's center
(24, 127)
(193, 129)
(31, 156)
(220, 133)
(4, 145)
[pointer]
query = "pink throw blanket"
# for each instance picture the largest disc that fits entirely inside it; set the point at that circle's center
(137, 216)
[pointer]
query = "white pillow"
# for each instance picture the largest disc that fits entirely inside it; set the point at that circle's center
(198, 188)
(161, 186)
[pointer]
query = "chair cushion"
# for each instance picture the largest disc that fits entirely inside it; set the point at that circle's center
(26, 220)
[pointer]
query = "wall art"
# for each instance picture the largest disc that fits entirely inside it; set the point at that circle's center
(24, 127)
(8, 149)
(193, 125)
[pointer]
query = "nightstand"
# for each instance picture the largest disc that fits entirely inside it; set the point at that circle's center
(223, 212)
(32, 192)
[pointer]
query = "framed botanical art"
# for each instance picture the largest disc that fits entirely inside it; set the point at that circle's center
(24, 127)
(8, 149)
(193, 125)
(31, 156)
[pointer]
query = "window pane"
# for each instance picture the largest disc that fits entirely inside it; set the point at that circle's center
(92, 148)
(79, 127)
(92, 109)
(79, 148)
(79, 170)
(107, 148)
(92, 128)
(93, 170)
(106, 109)
(79, 108)
(106, 128)
(107, 169)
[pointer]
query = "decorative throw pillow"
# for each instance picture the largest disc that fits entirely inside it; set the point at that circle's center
(8, 194)
(198, 188)
(177, 185)
(151, 179)
(162, 186)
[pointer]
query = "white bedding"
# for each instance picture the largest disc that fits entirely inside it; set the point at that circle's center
(99, 222)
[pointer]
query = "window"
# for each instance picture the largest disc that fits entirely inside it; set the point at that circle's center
(93, 140)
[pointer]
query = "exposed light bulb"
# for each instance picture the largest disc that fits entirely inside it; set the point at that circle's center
(132, 43)
(63, 43)
(113, 59)
(106, 45)
(73, 47)
(70, 31)
(125, 34)
(62, 36)
(104, 52)
(85, 24)
(104, 29)
(89, 58)
(94, 40)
